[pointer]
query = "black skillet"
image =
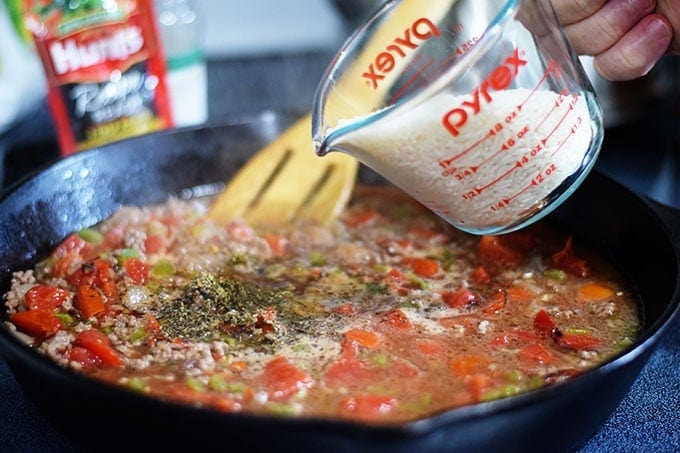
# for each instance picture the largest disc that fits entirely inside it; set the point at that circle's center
(83, 189)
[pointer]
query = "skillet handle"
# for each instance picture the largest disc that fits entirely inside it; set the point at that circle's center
(669, 216)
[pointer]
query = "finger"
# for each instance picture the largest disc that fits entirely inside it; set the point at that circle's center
(603, 29)
(671, 10)
(572, 11)
(637, 52)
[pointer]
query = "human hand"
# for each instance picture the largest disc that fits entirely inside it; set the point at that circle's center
(626, 37)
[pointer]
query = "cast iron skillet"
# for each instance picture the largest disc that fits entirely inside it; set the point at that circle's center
(83, 189)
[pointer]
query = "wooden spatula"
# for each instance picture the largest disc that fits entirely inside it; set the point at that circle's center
(286, 180)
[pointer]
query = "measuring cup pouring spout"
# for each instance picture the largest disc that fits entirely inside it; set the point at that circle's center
(479, 110)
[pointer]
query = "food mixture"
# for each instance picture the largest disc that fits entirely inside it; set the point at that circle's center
(387, 315)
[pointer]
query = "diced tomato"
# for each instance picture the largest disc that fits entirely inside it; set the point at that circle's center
(480, 276)
(137, 270)
(154, 243)
(519, 293)
(98, 343)
(580, 342)
(429, 347)
(403, 370)
(363, 337)
(524, 241)
(367, 406)
(344, 309)
(478, 384)
(425, 267)
(462, 297)
(496, 302)
(83, 356)
(543, 324)
(283, 379)
(536, 354)
(570, 263)
(38, 323)
(492, 250)
(397, 282)
(73, 243)
(277, 243)
(349, 371)
(468, 365)
(89, 301)
(97, 273)
(63, 265)
(429, 235)
(397, 319)
(361, 218)
(238, 366)
(45, 297)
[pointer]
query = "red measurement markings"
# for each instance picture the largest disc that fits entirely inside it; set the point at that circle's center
(539, 179)
(577, 124)
(446, 163)
(559, 123)
(559, 100)
(553, 69)
(506, 146)
(420, 77)
(479, 190)
(416, 75)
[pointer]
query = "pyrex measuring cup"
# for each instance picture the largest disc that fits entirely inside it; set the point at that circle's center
(478, 109)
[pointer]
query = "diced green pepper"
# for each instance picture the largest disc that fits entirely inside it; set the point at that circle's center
(138, 384)
(163, 269)
(194, 384)
(217, 383)
(380, 359)
(376, 288)
(91, 235)
(65, 318)
(557, 275)
(125, 254)
(138, 334)
(317, 259)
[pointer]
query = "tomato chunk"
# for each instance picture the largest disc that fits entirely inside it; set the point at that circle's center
(98, 343)
(38, 323)
(283, 379)
(493, 250)
(137, 270)
(579, 342)
(397, 319)
(570, 263)
(89, 301)
(462, 297)
(424, 267)
(543, 323)
(45, 297)
(363, 337)
(367, 406)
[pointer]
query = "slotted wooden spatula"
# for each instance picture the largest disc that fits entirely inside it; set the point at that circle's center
(286, 180)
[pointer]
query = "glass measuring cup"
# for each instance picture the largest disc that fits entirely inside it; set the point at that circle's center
(478, 109)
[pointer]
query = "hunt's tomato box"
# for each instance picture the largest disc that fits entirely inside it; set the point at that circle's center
(105, 69)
